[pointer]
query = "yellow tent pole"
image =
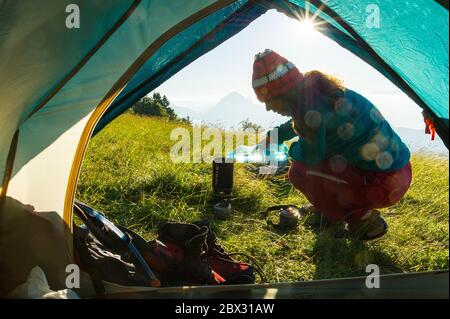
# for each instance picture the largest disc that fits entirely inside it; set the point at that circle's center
(114, 92)
(9, 165)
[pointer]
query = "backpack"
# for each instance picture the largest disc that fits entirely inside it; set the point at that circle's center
(182, 254)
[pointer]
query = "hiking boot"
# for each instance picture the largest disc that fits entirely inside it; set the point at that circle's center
(369, 227)
(310, 214)
(316, 220)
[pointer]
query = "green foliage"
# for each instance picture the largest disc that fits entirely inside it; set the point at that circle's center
(127, 173)
(154, 106)
(248, 125)
(185, 120)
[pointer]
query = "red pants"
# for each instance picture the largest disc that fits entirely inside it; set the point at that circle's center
(351, 193)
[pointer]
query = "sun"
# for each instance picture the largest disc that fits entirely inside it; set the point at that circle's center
(309, 22)
(307, 27)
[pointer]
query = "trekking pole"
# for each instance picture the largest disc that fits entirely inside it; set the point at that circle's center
(154, 281)
(121, 236)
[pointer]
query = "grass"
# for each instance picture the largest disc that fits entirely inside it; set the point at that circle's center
(127, 173)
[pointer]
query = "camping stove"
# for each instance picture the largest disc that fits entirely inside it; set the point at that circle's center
(222, 179)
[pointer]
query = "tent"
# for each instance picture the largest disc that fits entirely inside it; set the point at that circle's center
(61, 85)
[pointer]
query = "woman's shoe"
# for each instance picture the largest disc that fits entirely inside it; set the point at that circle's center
(315, 219)
(369, 227)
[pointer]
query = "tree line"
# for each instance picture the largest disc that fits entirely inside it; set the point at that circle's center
(157, 105)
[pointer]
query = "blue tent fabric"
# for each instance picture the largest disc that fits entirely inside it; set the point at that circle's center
(310, 10)
(100, 73)
(37, 51)
(57, 83)
(443, 3)
(37, 54)
(201, 37)
(241, 18)
(412, 39)
(432, 52)
(410, 48)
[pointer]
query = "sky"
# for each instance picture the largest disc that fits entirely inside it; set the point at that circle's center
(228, 68)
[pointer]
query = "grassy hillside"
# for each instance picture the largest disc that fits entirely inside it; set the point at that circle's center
(128, 175)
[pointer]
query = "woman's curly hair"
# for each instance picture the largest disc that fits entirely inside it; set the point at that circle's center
(314, 83)
(324, 83)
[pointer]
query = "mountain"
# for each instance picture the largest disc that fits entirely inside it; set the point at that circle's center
(234, 108)
(418, 141)
(185, 111)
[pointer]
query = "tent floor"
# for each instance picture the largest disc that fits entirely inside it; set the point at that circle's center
(409, 285)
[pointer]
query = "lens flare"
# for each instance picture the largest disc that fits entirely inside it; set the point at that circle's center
(307, 26)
